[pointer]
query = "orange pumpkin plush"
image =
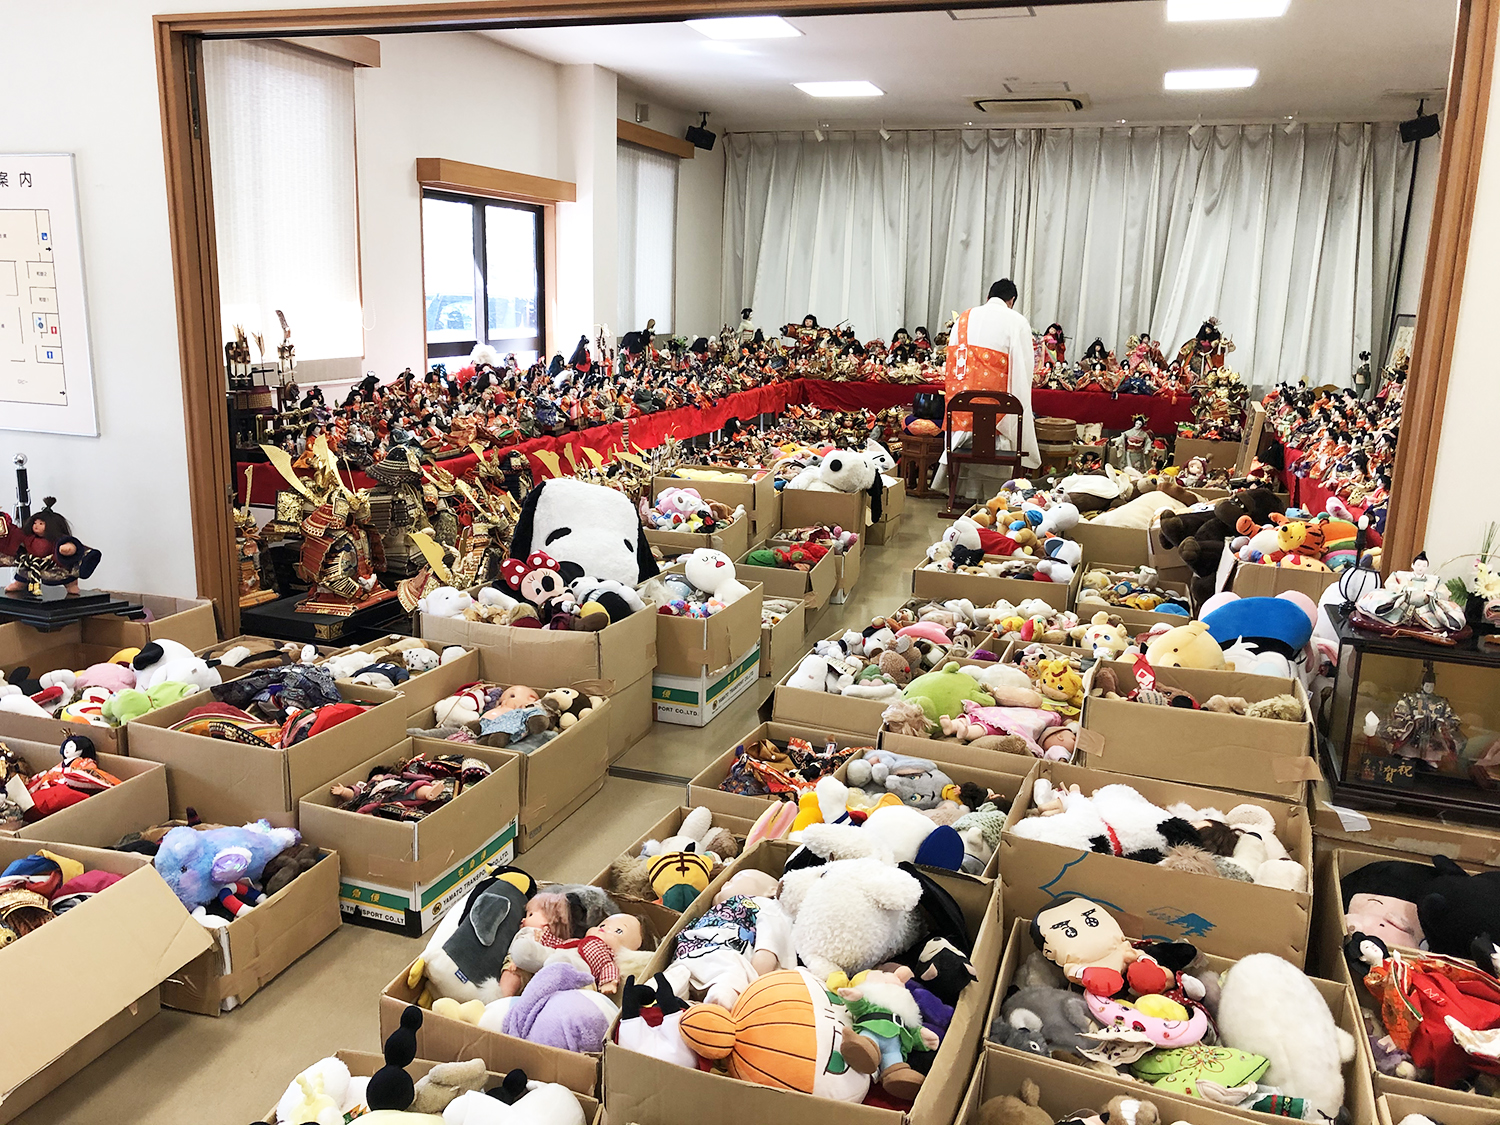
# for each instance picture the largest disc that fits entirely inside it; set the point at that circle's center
(785, 1032)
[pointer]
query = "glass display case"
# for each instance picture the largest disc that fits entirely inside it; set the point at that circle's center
(1414, 726)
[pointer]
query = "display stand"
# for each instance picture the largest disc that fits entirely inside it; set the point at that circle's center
(56, 608)
(280, 619)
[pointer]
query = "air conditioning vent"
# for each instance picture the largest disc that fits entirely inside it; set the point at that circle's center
(1020, 11)
(1022, 88)
(1031, 107)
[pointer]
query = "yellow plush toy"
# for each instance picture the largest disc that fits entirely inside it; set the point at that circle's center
(1185, 646)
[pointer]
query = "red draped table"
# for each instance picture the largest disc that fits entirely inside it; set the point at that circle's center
(1307, 492)
(650, 430)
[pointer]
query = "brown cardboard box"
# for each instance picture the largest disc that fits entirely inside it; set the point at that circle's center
(1167, 560)
(813, 586)
(363, 1064)
(704, 789)
(1136, 620)
(1359, 1095)
(189, 621)
(22, 646)
(1218, 916)
(848, 570)
(138, 924)
(892, 499)
(801, 507)
(631, 713)
(557, 777)
(1373, 831)
(1244, 755)
(424, 689)
(689, 646)
(1256, 580)
(638, 1088)
(1394, 1109)
(139, 801)
(1218, 454)
(255, 948)
(781, 645)
(404, 875)
(878, 534)
(1100, 542)
(941, 585)
(231, 783)
(820, 708)
(733, 539)
(618, 655)
(754, 488)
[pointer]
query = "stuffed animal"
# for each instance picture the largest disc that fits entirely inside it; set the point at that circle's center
(197, 865)
(1023, 1108)
(445, 601)
(745, 934)
(1086, 942)
(540, 1103)
(1185, 646)
(466, 953)
(918, 782)
(887, 1030)
(713, 573)
(783, 1032)
(1439, 907)
(943, 692)
(560, 1008)
(850, 915)
(570, 705)
(588, 529)
(1115, 820)
(1104, 636)
(1059, 1016)
(662, 1041)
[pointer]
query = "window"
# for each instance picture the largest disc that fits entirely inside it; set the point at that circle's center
(646, 185)
(482, 247)
(281, 130)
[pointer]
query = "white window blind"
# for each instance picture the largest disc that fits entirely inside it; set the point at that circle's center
(281, 139)
(647, 188)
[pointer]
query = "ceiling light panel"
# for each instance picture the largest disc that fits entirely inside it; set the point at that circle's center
(1196, 11)
(1232, 78)
(745, 27)
(859, 89)
(1018, 12)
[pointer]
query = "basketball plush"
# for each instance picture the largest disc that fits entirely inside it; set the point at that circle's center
(784, 1032)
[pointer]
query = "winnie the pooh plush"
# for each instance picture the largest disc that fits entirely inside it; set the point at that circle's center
(1185, 646)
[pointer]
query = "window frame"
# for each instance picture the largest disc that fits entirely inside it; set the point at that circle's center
(479, 204)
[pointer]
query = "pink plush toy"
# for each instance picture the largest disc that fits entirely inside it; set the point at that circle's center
(1027, 723)
(115, 677)
(927, 631)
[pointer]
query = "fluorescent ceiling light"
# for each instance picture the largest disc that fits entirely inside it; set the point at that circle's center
(1192, 11)
(859, 89)
(745, 27)
(1233, 78)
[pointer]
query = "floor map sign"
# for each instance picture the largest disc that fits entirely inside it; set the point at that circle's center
(46, 378)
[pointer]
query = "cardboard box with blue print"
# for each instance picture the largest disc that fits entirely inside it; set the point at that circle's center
(704, 663)
(136, 927)
(1220, 915)
(403, 875)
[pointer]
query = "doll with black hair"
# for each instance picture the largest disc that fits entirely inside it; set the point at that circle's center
(44, 552)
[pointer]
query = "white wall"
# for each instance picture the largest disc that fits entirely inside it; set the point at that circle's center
(504, 114)
(1464, 496)
(587, 237)
(700, 222)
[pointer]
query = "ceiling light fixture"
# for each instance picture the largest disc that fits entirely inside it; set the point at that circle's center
(885, 134)
(820, 135)
(1290, 126)
(1195, 128)
(852, 89)
(745, 27)
(1196, 11)
(1228, 78)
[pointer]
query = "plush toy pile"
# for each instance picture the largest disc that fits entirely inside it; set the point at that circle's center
(533, 962)
(840, 470)
(27, 797)
(1021, 533)
(706, 585)
(272, 707)
(996, 707)
(387, 665)
(774, 610)
(507, 717)
(673, 871)
(1117, 820)
(124, 687)
(412, 788)
(451, 1093)
(875, 664)
(884, 954)
(1259, 1036)
(38, 887)
(783, 769)
(1148, 690)
(684, 509)
(1135, 589)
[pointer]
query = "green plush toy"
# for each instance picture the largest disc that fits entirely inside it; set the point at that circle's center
(1180, 1069)
(132, 703)
(941, 693)
(762, 557)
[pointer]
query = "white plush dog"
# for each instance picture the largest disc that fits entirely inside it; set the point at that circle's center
(850, 915)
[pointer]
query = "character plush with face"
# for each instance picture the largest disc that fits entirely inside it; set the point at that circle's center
(537, 581)
(1084, 940)
(588, 529)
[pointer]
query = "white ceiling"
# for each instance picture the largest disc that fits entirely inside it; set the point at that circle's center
(1326, 60)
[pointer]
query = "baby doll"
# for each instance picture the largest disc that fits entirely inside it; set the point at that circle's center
(546, 913)
(596, 952)
(744, 935)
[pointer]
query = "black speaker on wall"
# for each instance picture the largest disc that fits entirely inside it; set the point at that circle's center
(1420, 127)
(700, 135)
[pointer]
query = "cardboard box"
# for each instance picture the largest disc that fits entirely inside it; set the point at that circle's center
(1218, 916)
(781, 645)
(639, 1088)
(704, 789)
(802, 507)
(982, 590)
(404, 875)
(142, 930)
(892, 499)
(813, 586)
(631, 713)
(733, 539)
(22, 646)
(949, 751)
(1257, 580)
(879, 534)
(814, 709)
(363, 1064)
(617, 655)
(669, 826)
(1368, 830)
(231, 783)
(424, 689)
(848, 570)
(1359, 1095)
(255, 948)
(190, 621)
(100, 821)
(1265, 756)
(1136, 620)
(1116, 544)
(1166, 560)
(1394, 1108)
(1218, 454)
(557, 777)
(754, 488)
(692, 646)
(694, 701)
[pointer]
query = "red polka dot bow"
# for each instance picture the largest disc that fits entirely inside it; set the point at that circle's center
(514, 570)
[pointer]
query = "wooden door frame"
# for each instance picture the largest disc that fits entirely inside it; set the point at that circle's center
(178, 38)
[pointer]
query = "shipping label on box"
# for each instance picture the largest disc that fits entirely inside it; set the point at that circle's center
(693, 701)
(415, 910)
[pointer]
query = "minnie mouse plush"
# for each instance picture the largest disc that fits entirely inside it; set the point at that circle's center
(538, 582)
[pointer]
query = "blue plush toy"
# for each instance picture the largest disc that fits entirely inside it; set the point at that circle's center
(197, 864)
(1274, 624)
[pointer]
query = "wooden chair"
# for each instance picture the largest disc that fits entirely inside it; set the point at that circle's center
(987, 408)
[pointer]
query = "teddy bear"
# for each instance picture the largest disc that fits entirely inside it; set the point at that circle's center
(445, 601)
(1104, 635)
(569, 705)
(1185, 646)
